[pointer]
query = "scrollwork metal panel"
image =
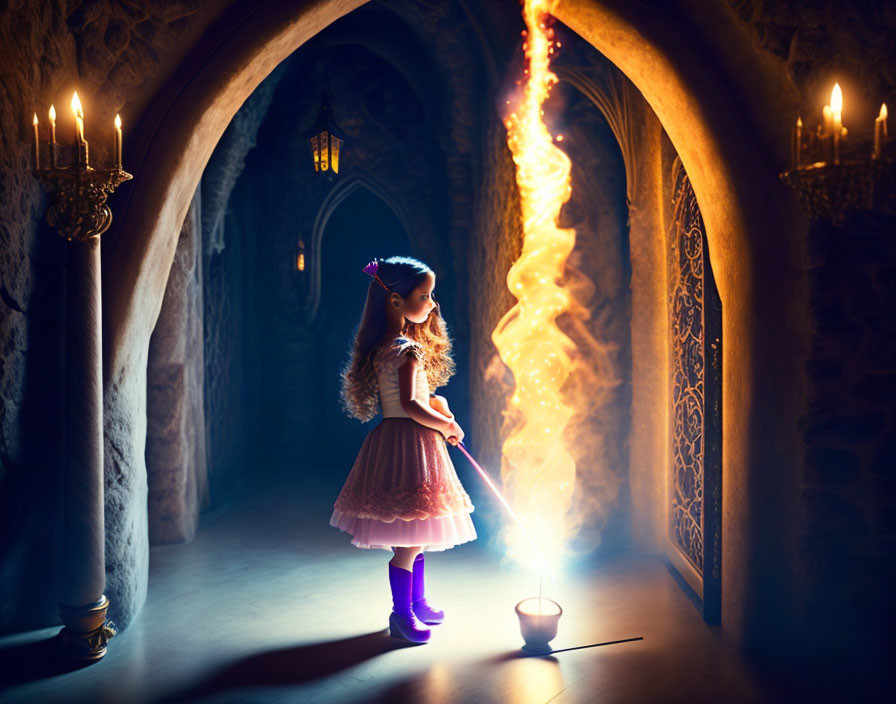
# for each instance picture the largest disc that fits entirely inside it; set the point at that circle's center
(695, 365)
(686, 307)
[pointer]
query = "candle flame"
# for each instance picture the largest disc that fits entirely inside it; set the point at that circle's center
(35, 118)
(836, 99)
(537, 469)
(799, 122)
(883, 111)
(117, 122)
(53, 113)
(76, 105)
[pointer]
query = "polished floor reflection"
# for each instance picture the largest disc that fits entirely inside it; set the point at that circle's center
(270, 604)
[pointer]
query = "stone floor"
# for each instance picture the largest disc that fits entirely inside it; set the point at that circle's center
(269, 604)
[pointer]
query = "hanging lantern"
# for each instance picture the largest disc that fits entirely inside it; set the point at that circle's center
(300, 257)
(325, 139)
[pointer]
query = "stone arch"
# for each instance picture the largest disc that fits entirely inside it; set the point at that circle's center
(609, 93)
(621, 106)
(742, 209)
(357, 179)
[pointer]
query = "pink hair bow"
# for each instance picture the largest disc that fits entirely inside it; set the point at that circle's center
(371, 270)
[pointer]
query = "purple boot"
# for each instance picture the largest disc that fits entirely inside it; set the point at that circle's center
(423, 611)
(402, 623)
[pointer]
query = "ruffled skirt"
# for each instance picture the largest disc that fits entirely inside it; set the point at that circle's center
(403, 491)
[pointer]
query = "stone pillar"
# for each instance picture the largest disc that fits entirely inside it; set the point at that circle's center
(80, 214)
(650, 336)
(83, 604)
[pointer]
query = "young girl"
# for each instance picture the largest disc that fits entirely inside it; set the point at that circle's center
(403, 493)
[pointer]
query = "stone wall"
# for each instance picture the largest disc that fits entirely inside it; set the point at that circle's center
(108, 51)
(847, 531)
(176, 469)
(848, 518)
(497, 241)
(31, 325)
(816, 43)
(226, 406)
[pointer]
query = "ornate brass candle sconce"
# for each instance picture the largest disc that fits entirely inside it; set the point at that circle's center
(828, 191)
(79, 210)
(832, 175)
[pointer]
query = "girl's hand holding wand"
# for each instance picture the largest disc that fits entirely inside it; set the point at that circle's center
(453, 433)
(428, 414)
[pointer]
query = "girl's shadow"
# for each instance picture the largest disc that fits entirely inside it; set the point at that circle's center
(288, 666)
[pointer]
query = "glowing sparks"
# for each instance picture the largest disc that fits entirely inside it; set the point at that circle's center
(537, 470)
(522, 529)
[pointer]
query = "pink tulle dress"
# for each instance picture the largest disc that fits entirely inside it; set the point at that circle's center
(403, 490)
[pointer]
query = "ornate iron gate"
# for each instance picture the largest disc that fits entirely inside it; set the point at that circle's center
(695, 497)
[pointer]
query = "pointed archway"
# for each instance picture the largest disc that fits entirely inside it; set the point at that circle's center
(174, 140)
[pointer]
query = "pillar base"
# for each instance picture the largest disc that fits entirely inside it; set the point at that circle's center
(86, 631)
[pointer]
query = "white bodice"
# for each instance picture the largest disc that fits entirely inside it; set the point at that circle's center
(386, 365)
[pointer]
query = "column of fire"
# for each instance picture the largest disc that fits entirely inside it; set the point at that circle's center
(537, 470)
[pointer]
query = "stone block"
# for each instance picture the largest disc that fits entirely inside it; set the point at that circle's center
(821, 371)
(837, 523)
(876, 387)
(850, 430)
(829, 466)
(836, 329)
(884, 459)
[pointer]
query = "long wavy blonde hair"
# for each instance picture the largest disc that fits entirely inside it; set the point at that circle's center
(360, 390)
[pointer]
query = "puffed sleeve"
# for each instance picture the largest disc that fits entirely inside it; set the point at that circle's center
(404, 348)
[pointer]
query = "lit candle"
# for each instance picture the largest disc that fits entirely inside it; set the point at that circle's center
(798, 142)
(80, 142)
(79, 118)
(52, 137)
(36, 144)
(880, 131)
(118, 141)
(837, 122)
